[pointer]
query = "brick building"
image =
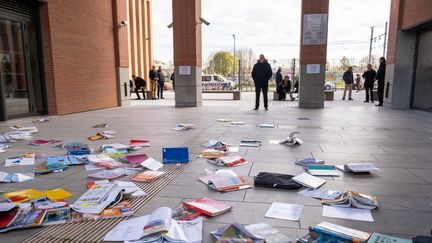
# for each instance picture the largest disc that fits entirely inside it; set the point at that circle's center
(409, 55)
(63, 56)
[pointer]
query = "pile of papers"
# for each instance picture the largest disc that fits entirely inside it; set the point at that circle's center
(225, 181)
(183, 127)
(230, 161)
(157, 227)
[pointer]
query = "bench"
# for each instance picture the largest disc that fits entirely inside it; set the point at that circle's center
(329, 95)
(235, 93)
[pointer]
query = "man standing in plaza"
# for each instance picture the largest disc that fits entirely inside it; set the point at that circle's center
(348, 78)
(380, 76)
(261, 74)
(369, 76)
(153, 81)
(161, 83)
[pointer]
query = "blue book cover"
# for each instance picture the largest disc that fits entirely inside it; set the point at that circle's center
(175, 155)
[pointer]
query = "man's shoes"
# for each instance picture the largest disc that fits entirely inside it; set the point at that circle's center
(163, 98)
(365, 101)
(343, 98)
(350, 99)
(266, 108)
(255, 109)
(379, 105)
(137, 98)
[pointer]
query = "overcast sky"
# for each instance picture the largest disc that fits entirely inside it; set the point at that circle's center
(272, 27)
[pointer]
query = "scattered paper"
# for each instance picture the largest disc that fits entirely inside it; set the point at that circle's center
(285, 211)
(152, 164)
(347, 213)
(320, 193)
(233, 149)
(25, 159)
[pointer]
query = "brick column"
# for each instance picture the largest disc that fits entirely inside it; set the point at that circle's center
(313, 53)
(187, 52)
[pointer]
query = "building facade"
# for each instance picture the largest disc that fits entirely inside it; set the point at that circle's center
(64, 56)
(409, 55)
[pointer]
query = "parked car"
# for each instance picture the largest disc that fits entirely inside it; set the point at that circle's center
(216, 82)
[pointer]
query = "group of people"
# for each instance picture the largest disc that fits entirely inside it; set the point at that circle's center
(370, 76)
(283, 85)
(157, 83)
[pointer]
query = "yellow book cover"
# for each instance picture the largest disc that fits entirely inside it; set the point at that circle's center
(57, 194)
(23, 195)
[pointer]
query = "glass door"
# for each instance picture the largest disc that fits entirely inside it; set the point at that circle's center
(17, 93)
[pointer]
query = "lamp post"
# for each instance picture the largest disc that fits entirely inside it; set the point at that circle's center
(234, 56)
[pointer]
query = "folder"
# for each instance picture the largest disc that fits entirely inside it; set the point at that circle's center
(175, 155)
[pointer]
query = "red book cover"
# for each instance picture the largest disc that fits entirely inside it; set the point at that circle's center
(139, 143)
(208, 206)
(7, 217)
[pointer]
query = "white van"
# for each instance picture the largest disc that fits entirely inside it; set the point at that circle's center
(216, 82)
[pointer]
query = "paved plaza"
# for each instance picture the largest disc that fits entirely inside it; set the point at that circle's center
(399, 142)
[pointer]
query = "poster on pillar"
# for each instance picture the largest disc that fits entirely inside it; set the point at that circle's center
(315, 29)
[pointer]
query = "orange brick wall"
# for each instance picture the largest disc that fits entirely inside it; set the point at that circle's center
(79, 55)
(313, 54)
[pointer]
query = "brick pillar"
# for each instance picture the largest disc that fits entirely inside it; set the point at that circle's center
(187, 52)
(313, 53)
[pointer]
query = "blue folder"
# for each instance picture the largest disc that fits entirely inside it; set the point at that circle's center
(175, 155)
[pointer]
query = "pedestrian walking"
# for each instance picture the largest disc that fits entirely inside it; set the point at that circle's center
(161, 83)
(348, 79)
(261, 74)
(140, 84)
(380, 76)
(153, 81)
(369, 77)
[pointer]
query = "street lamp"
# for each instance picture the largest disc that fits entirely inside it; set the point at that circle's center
(234, 57)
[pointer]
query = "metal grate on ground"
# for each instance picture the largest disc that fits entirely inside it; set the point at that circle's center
(94, 231)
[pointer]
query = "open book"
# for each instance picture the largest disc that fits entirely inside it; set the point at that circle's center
(292, 139)
(225, 181)
(98, 198)
(353, 199)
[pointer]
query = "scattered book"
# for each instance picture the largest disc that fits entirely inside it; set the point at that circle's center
(33, 195)
(308, 180)
(137, 143)
(183, 213)
(381, 238)
(122, 209)
(39, 142)
(268, 233)
(151, 164)
(321, 170)
(136, 159)
(108, 174)
(148, 176)
(319, 193)
(266, 125)
(353, 199)
(41, 120)
(98, 198)
(76, 148)
(235, 233)
(175, 155)
(25, 159)
(217, 145)
(250, 143)
(212, 153)
(230, 161)
(292, 139)
(56, 216)
(208, 207)
(348, 213)
(285, 211)
(101, 125)
(328, 232)
(183, 127)
(26, 219)
(102, 135)
(309, 161)
(225, 181)
(16, 177)
(30, 130)
(358, 167)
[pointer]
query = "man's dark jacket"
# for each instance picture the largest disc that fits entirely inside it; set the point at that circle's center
(369, 77)
(380, 76)
(262, 73)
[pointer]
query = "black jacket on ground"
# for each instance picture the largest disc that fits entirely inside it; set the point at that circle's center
(153, 75)
(381, 72)
(262, 73)
(369, 77)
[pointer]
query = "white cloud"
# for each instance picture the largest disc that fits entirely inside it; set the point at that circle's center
(273, 27)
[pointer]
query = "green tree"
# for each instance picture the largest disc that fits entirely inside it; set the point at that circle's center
(222, 63)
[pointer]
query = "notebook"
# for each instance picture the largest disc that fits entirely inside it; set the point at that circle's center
(208, 206)
(175, 155)
(308, 180)
(322, 170)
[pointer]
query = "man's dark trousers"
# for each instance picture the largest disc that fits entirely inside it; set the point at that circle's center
(369, 91)
(137, 89)
(258, 89)
(380, 92)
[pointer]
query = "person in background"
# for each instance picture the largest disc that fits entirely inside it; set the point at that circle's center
(348, 78)
(369, 77)
(261, 74)
(173, 81)
(140, 84)
(153, 81)
(358, 82)
(279, 78)
(380, 76)
(287, 87)
(296, 86)
(161, 83)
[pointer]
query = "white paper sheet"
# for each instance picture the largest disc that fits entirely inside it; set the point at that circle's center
(347, 213)
(308, 180)
(152, 164)
(285, 211)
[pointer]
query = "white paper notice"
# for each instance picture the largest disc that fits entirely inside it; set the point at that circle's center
(285, 211)
(347, 213)
(185, 70)
(312, 68)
